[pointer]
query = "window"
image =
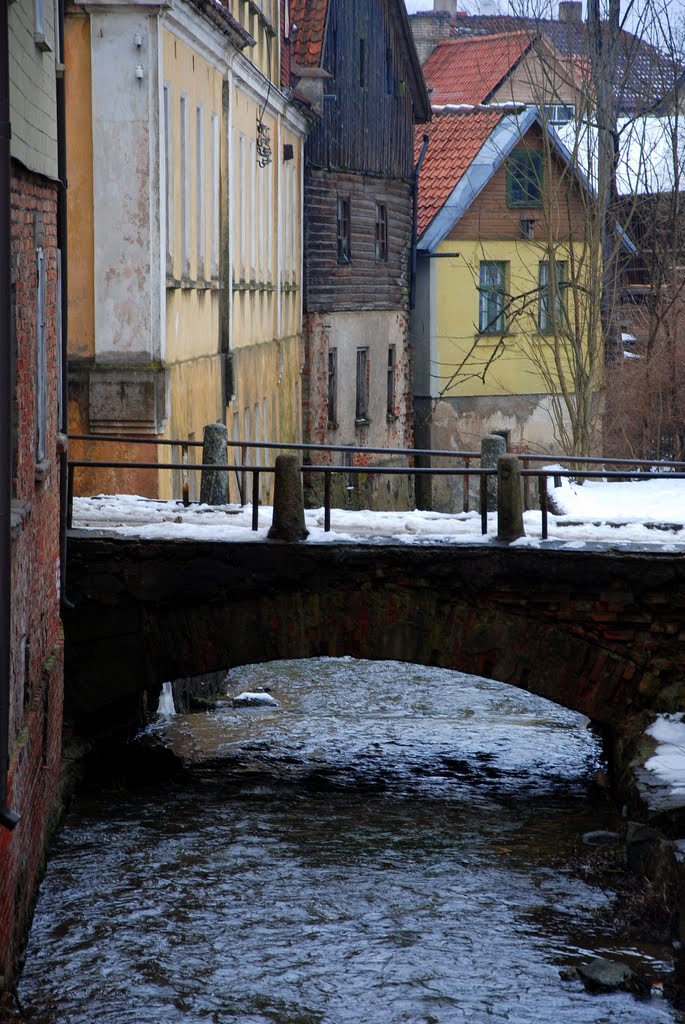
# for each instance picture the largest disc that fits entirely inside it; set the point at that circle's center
(39, 25)
(185, 187)
(551, 308)
(389, 76)
(524, 178)
(215, 157)
(344, 254)
(200, 189)
(41, 358)
(390, 404)
(381, 232)
(169, 181)
(491, 316)
(332, 387)
(361, 413)
(560, 113)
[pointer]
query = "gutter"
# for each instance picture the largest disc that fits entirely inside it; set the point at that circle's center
(8, 817)
(415, 222)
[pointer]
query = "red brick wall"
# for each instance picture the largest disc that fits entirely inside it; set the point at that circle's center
(36, 678)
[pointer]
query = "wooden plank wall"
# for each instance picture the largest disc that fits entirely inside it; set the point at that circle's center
(364, 127)
(363, 282)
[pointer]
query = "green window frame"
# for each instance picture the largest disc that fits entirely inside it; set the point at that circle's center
(492, 297)
(551, 308)
(525, 179)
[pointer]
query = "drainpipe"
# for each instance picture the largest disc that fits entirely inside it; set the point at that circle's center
(8, 817)
(415, 222)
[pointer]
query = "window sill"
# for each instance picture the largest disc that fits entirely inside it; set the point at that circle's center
(362, 423)
(331, 425)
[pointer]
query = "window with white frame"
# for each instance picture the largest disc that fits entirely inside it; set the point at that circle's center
(185, 187)
(552, 286)
(169, 180)
(492, 297)
(216, 194)
(200, 190)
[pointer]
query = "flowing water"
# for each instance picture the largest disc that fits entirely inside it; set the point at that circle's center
(392, 844)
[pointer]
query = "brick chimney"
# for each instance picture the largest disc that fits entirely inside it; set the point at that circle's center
(445, 6)
(570, 10)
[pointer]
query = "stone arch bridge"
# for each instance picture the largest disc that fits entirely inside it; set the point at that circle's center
(598, 631)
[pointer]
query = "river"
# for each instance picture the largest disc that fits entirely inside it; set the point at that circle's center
(392, 844)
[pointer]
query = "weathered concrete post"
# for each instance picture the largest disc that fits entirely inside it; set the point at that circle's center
(288, 521)
(492, 446)
(214, 486)
(509, 499)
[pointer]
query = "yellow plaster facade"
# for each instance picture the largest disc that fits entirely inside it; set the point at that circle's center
(265, 256)
(194, 141)
(512, 359)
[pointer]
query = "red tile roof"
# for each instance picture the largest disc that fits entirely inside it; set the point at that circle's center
(468, 70)
(455, 140)
(310, 18)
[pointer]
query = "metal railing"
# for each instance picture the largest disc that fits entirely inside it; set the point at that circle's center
(630, 469)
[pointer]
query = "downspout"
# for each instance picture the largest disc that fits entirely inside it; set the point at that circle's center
(63, 427)
(8, 817)
(415, 222)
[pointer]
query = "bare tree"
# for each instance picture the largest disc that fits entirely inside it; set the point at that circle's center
(611, 231)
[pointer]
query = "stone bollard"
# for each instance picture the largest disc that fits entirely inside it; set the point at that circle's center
(509, 499)
(214, 486)
(288, 521)
(492, 446)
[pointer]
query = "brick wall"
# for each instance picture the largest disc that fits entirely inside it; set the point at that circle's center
(36, 678)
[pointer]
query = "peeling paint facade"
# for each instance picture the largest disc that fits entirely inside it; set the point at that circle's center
(184, 252)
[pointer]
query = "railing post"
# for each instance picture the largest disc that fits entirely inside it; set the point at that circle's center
(509, 503)
(288, 521)
(243, 473)
(466, 486)
(184, 460)
(255, 499)
(492, 447)
(214, 486)
(327, 501)
(542, 489)
(483, 503)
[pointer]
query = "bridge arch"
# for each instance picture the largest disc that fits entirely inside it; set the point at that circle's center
(599, 632)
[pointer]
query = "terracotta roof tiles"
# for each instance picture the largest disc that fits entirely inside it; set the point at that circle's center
(310, 18)
(468, 70)
(455, 141)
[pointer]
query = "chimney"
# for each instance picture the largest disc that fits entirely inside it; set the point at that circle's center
(445, 6)
(570, 10)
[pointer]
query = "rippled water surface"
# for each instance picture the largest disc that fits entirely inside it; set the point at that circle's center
(392, 844)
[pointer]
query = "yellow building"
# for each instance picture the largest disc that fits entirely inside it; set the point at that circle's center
(506, 335)
(184, 163)
(265, 149)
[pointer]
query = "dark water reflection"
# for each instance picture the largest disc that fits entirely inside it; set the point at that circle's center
(391, 845)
